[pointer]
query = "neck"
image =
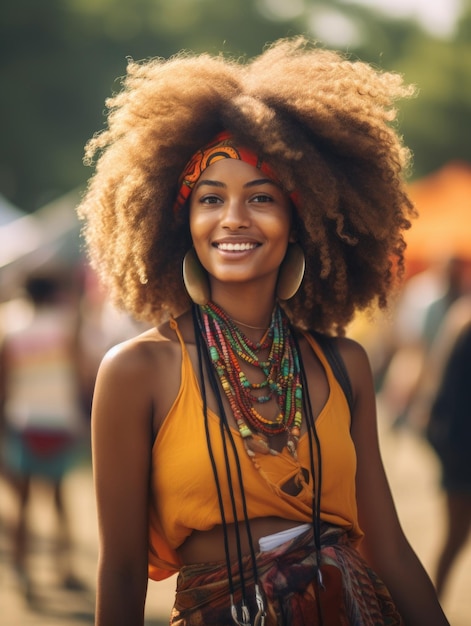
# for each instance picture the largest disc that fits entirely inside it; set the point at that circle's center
(253, 322)
(239, 323)
(252, 311)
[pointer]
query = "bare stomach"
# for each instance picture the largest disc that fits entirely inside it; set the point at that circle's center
(208, 546)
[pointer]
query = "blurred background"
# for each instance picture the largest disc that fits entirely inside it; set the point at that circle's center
(59, 61)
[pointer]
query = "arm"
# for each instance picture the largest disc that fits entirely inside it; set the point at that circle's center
(121, 446)
(385, 546)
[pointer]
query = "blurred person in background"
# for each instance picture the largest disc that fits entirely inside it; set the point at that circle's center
(442, 408)
(420, 311)
(457, 284)
(449, 432)
(42, 424)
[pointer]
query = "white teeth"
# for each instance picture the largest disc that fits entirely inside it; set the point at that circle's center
(231, 247)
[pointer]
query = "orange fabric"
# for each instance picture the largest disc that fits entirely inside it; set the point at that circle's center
(183, 490)
(442, 201)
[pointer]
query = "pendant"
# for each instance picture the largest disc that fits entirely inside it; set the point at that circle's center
(258, 444)
(292, 445)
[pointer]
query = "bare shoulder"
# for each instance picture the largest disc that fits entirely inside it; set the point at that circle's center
(357, 364)
(151, 352)
(350, 349)
(353, 353)
(146, 370)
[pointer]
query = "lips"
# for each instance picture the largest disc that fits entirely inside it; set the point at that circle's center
(236, 247)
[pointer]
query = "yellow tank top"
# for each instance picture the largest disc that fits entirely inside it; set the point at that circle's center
(183, 489)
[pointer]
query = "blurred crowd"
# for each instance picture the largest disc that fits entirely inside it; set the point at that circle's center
(421, 357)
(54, 331)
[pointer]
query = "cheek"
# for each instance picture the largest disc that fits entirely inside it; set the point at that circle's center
(200, 230)
(197, 225)
(281, 229)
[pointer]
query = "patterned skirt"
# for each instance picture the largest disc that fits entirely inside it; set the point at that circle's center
(349, 594)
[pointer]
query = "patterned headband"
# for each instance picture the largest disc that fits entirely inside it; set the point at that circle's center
(221, 147)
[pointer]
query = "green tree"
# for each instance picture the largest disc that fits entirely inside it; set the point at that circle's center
(60, 60)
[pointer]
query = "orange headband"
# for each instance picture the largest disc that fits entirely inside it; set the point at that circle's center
(221, 147)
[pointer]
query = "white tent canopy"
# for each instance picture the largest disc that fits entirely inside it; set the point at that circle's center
(8, 211)
(41, 234)
(50, 234)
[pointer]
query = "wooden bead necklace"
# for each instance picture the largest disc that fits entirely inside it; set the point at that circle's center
(227, 346)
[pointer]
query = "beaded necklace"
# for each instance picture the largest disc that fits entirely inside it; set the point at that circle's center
(228, 347)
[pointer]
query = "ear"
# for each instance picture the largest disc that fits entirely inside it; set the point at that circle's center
(292, 237)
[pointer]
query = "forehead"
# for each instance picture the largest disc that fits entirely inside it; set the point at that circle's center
(232, 169)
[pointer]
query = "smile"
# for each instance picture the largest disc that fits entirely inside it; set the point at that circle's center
(236, 247)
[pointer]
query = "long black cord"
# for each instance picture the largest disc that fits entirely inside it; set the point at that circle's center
(210, 450)
(316, 488)
(204, 357)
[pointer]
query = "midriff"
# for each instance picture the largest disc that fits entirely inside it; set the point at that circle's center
(208, 545)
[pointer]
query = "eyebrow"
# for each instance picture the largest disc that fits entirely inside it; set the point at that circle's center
(251, 183)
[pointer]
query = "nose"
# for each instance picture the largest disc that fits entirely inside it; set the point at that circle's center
(235, 215)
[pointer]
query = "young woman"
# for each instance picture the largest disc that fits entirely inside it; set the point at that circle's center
(247, 211)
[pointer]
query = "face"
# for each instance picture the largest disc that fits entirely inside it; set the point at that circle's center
(240, 223)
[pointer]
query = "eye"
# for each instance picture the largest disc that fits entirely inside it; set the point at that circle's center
(262, 198)
(209, 199)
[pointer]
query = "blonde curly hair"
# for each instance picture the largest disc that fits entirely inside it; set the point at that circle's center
(320, 120)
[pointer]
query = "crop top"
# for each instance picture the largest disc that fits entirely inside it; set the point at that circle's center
(183, 495)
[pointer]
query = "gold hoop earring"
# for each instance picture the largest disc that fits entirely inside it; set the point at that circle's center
(291, 272)
(195, 278)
